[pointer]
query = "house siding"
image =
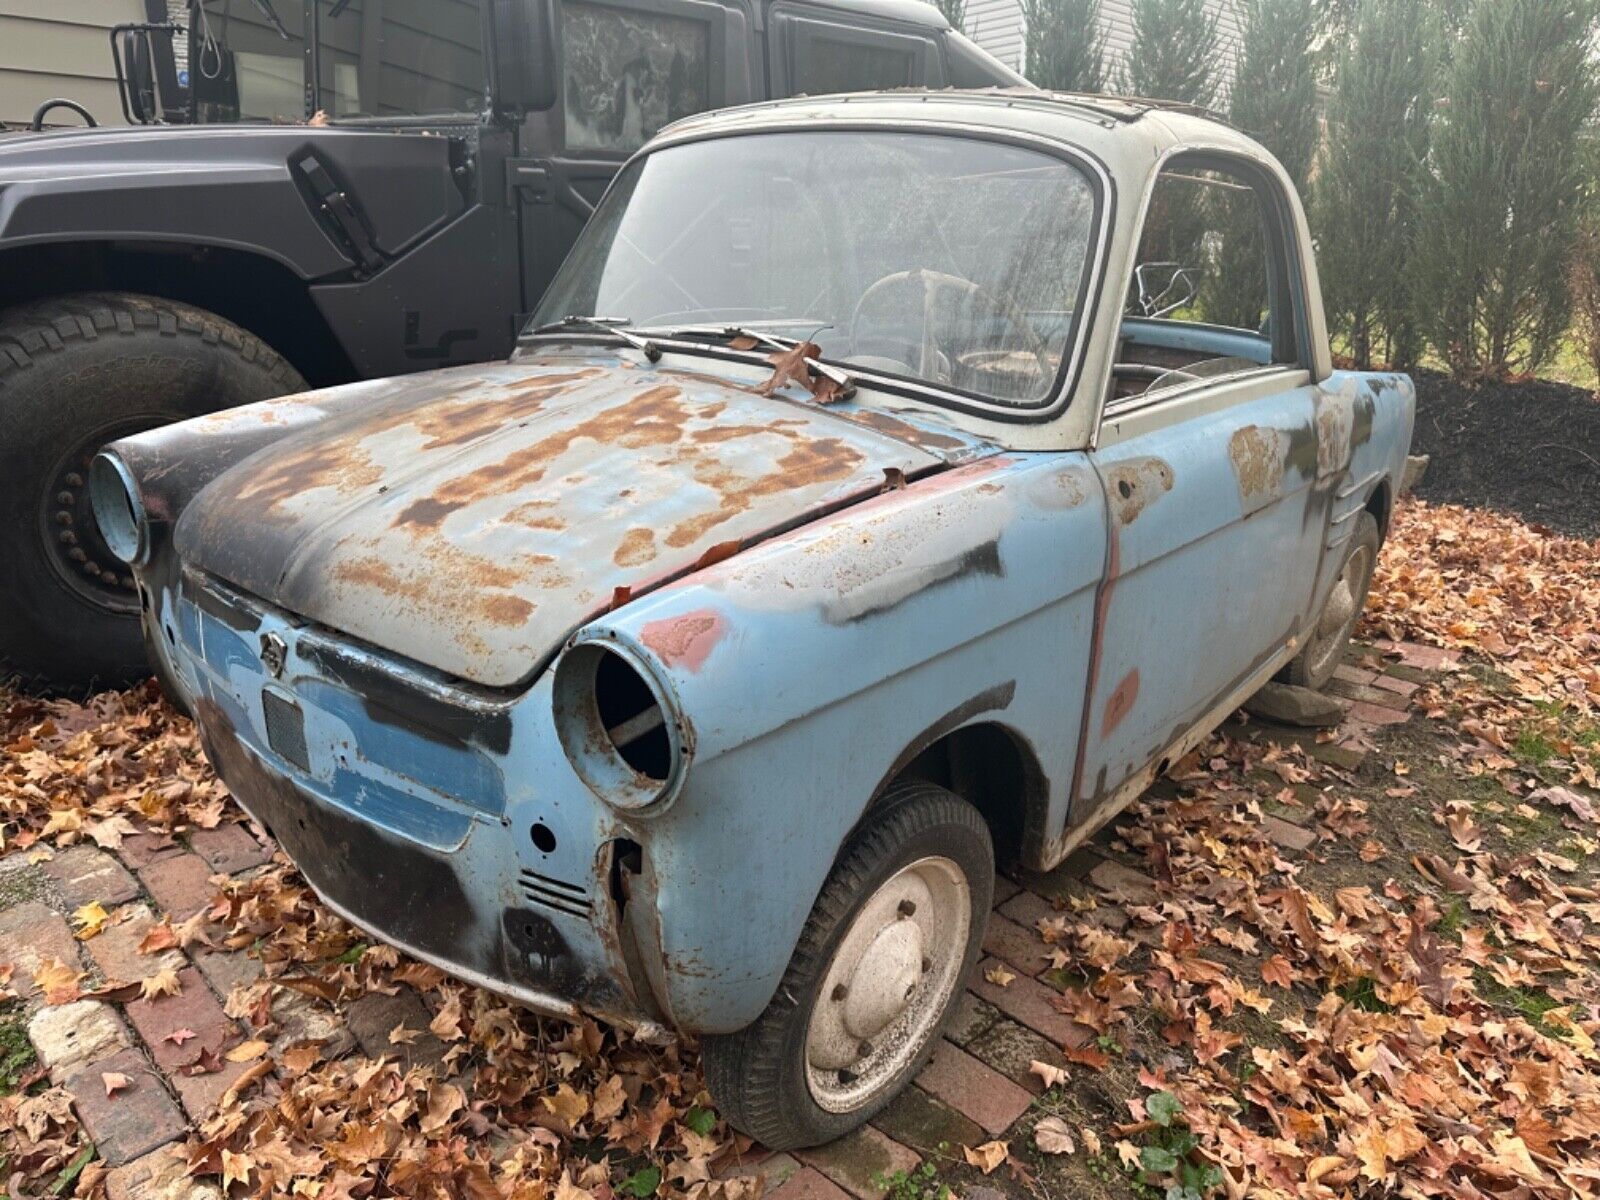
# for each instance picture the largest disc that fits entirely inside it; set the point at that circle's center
(997, 26)
(52, 48)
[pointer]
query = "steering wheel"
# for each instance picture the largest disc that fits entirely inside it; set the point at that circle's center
(37, 124)
(932, 282)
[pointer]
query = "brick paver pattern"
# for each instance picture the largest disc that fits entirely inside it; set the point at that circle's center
(977, 1085)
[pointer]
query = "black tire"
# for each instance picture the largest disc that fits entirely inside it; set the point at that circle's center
(758, 1076)
(77, 372)
(1314, 666)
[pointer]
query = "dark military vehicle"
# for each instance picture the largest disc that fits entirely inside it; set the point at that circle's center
(347, 190)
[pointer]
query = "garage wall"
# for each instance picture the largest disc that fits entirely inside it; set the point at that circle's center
(60, 48)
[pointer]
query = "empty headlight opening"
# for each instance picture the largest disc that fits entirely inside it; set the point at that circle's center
(632, 718)
(616, 726)
(118, 511)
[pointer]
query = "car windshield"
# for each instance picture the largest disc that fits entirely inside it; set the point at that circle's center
(946, 260)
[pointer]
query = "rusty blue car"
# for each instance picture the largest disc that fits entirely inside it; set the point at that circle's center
(888, 485)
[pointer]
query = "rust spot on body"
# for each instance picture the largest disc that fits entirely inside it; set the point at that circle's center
(1135, 485)
(1258, 461)
(1121, 703)
(808, 463)
(905, 431)
(685, 640)
(638, 546)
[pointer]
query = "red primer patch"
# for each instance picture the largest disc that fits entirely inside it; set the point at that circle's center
(686, 640)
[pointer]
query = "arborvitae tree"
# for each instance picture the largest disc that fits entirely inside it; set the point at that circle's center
(1066, 45)
(1275, 92)
(1174, 55)
(1500, 212)
(1275, 101)
(1371, 177)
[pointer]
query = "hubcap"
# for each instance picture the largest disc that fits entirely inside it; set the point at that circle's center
(888, 983)
(1340, 612)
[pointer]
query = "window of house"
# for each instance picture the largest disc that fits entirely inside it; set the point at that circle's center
(629, 73)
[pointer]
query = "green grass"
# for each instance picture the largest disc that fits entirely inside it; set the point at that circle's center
(1363, 994)
(1531, 1003)
(16, 1052)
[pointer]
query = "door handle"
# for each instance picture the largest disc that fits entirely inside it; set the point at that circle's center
(527, 179)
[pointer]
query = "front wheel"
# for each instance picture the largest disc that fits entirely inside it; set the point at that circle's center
(877, 972)
(77, 372)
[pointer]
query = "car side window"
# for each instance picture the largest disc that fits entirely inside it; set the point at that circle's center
(1209, 295)
(818, 58)
(629, 72)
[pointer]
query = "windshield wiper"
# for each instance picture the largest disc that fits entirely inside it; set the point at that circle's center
(844, 379)
(611, 325)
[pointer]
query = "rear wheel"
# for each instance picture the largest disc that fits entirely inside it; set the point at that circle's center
(1314, 666)
(77, 372)
(873, 981)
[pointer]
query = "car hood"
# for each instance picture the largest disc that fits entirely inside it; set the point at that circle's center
(470, 519)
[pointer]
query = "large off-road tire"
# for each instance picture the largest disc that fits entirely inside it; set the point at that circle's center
(892, 938)
(1329, 637)
(77, 372)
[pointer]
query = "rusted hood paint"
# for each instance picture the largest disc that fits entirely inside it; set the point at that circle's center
(471, 519)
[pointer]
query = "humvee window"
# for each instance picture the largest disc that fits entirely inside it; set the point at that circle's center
(629, 72)
(830, 65)
(388, 58)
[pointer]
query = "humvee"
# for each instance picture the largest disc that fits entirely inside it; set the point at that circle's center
(333, 190)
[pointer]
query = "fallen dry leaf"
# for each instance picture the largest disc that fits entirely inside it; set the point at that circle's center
(986, 1157)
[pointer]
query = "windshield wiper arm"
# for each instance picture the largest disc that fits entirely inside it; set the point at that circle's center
(611, 325)
(843, 378)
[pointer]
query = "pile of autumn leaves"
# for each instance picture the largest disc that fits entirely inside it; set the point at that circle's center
(1382, 1066)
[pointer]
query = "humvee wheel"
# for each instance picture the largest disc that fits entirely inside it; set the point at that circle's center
(77, 372)
(877, 972)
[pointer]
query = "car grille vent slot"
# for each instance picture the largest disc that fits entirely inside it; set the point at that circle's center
(548, 892)
(286, 729)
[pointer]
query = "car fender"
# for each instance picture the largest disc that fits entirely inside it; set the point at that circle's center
(806, 668)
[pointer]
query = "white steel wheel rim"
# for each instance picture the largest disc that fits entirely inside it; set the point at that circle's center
(888, 983)
(1339, 614)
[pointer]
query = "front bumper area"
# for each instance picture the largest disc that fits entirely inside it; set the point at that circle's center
(359, 796)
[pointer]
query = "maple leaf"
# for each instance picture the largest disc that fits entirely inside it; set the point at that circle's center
(57, 981)
(157, 938)
(999, 976)
(164, 982)
(90, 919)
(247, 1051)
(115, 1082)
(567, 1104)
(790, 366)
(1088, 1056)
(1054, 1136)
(179, 1036)
(986, 1157)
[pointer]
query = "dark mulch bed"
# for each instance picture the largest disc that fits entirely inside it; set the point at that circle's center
(1532, 449)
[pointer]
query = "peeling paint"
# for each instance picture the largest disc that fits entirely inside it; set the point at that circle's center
(1258, 456)
(1120, 703)
(1135, 485)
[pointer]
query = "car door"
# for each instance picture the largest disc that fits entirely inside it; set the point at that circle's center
(1208, 453)
(815, 51)
(628, 67)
